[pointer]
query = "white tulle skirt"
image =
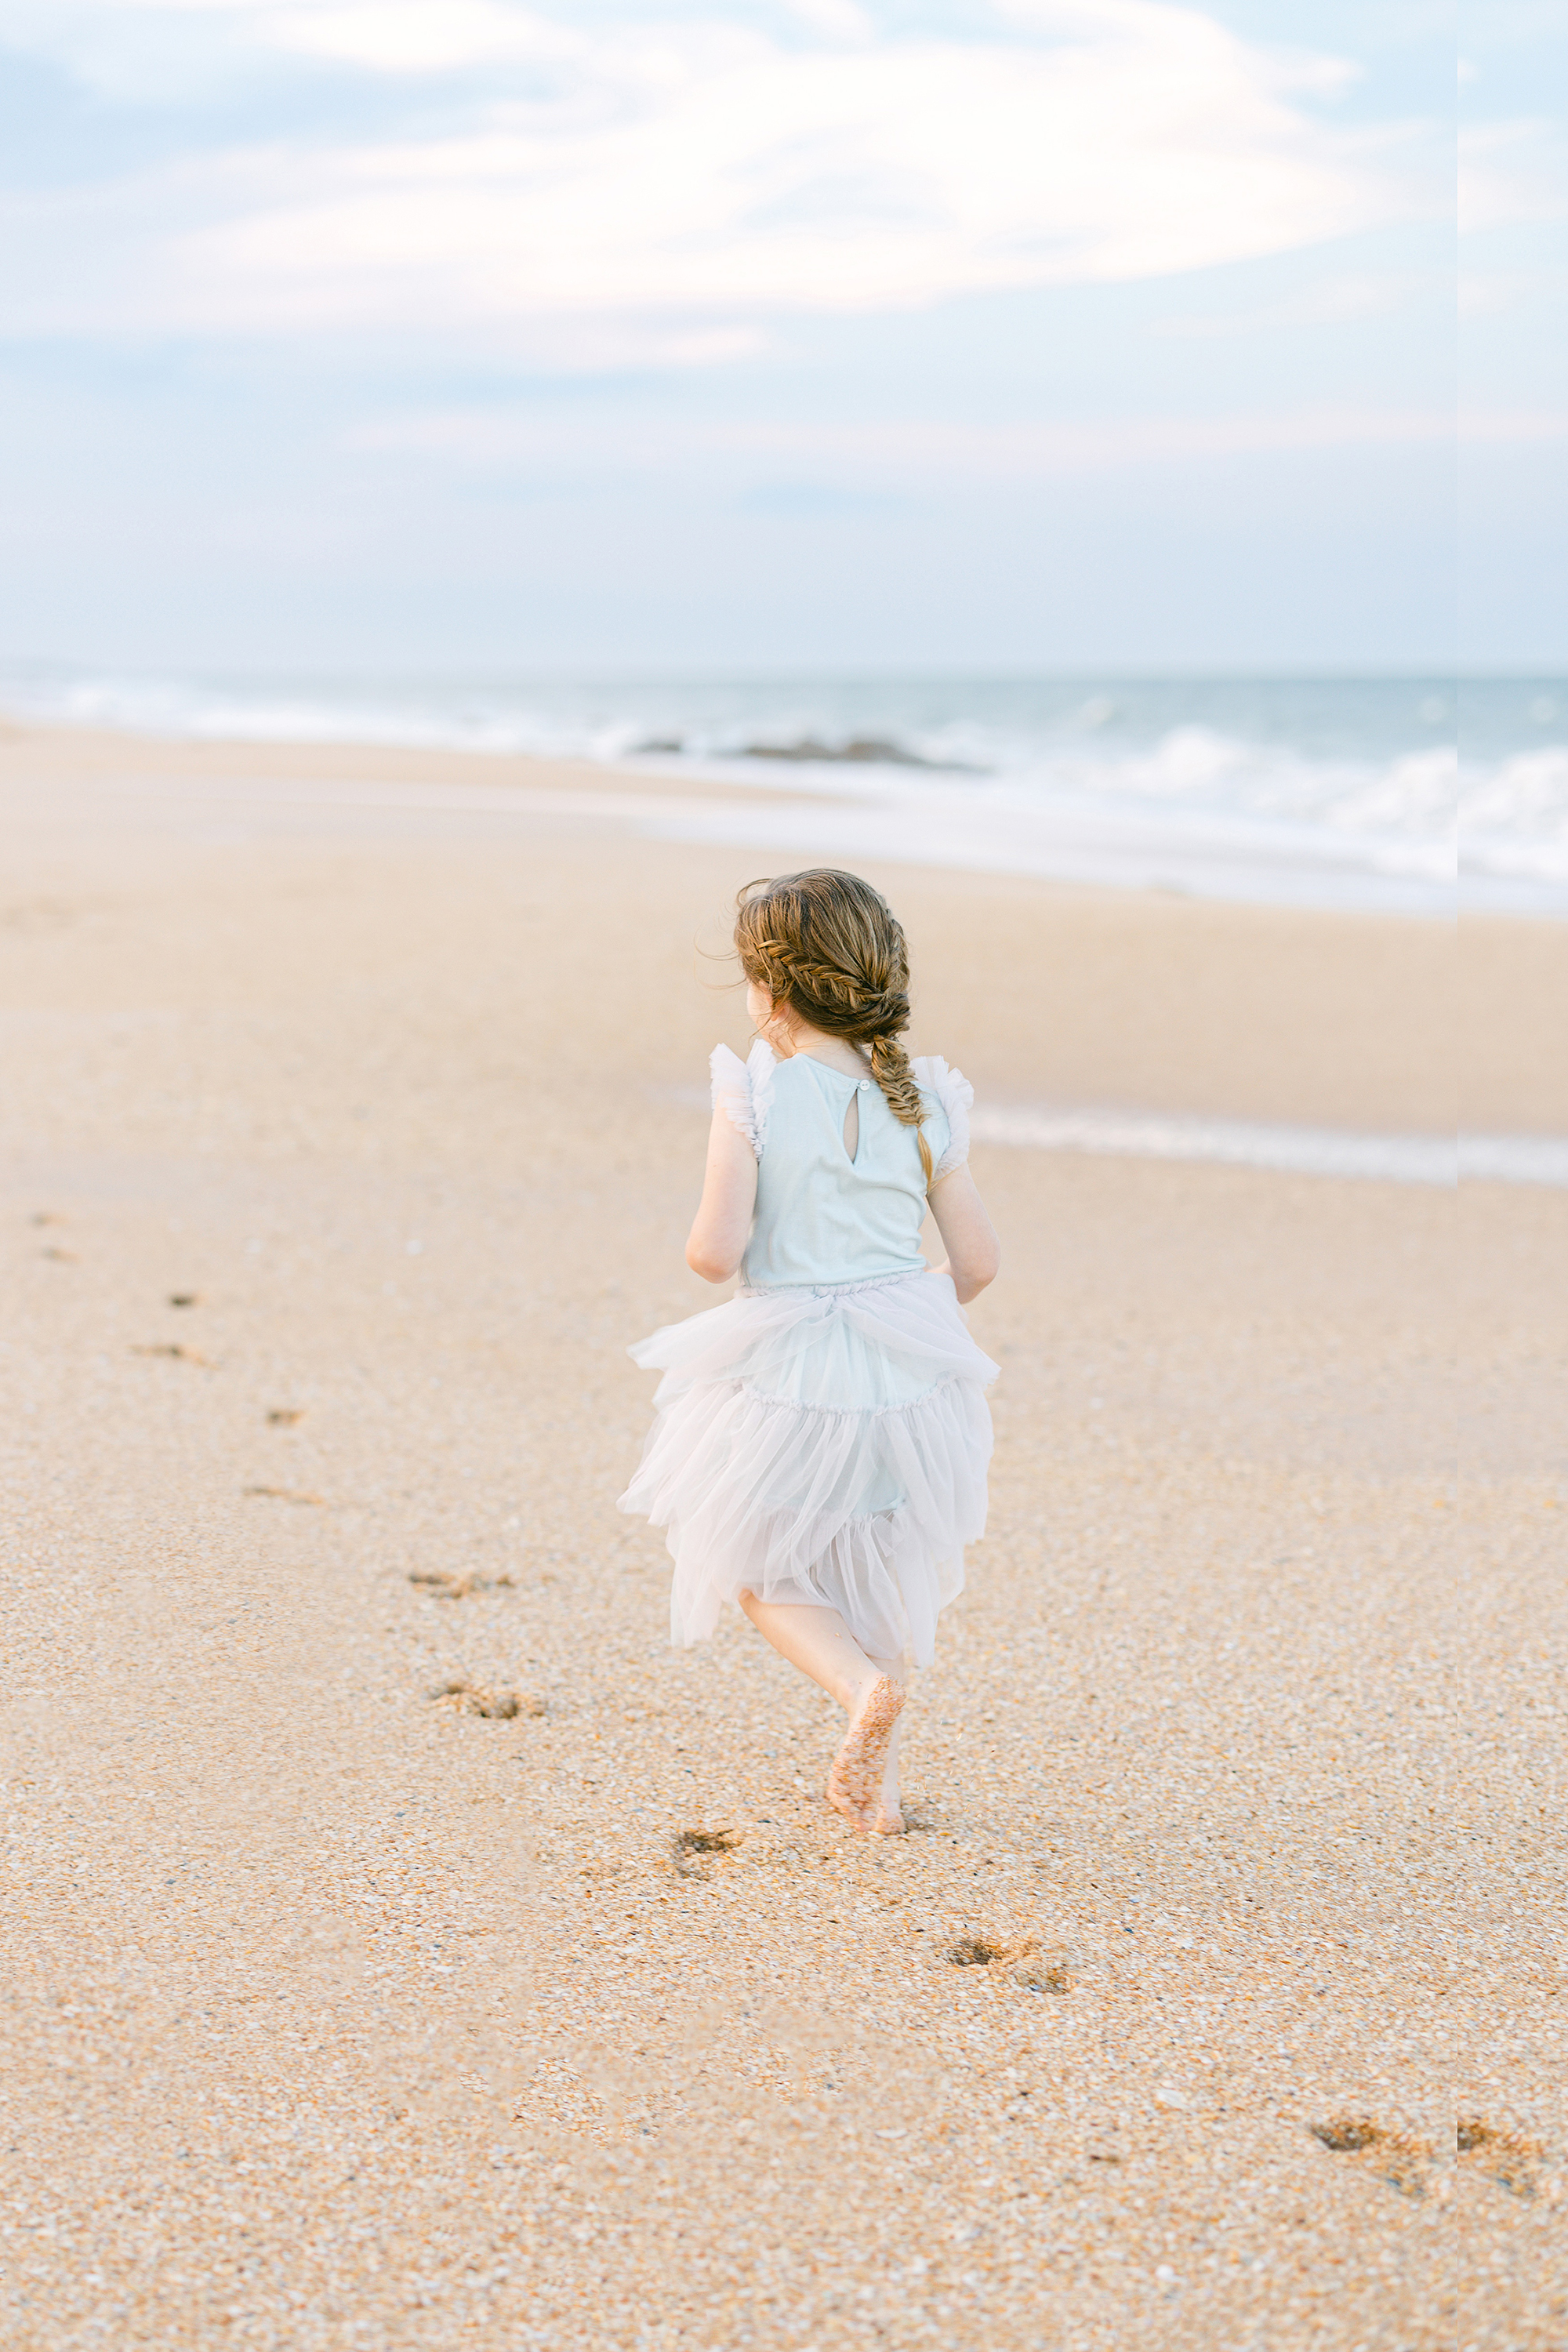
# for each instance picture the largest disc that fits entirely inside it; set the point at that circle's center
(825, 1446)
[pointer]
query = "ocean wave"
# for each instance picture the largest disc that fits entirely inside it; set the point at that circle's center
(1345, 791)
(1514, 816)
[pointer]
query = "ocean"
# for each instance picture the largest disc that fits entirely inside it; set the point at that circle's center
(1414, 795)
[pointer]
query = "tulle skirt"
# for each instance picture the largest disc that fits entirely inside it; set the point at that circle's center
(820, 1445)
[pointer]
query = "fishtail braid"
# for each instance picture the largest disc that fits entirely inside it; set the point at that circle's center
(890, 1068)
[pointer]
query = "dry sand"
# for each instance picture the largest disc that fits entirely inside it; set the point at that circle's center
(1216, 2001)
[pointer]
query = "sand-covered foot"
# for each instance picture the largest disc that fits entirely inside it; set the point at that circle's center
(855, 1783)
(890, 1815)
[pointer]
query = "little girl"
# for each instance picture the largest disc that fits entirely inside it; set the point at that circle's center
(819, 1449)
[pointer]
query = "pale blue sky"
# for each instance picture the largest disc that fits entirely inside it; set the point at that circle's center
(457, 335)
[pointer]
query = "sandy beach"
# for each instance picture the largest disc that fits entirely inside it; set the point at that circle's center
(403, 1946)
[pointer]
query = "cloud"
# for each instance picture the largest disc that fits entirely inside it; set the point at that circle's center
(661, 191)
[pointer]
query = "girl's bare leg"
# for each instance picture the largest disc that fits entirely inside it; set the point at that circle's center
(819, 1643)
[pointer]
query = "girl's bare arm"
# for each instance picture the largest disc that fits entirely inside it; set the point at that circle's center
(719, 1233)
(974, 1253)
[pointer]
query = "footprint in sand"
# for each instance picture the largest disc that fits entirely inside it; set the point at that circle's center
(1041, 1973)
(1397, 2156)
(1504, 2156)
(1023, 1964)
(690, 1848)
(463, 1697)
(975, 1952)
(446, 1586)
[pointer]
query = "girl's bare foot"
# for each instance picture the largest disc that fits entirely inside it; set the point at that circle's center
(855, 1783)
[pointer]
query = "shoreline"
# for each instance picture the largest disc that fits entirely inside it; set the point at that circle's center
(1142, 1001)
(852, 807)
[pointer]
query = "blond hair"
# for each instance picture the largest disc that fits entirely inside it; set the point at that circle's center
(830, 947)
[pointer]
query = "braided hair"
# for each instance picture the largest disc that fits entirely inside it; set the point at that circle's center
(829, 947)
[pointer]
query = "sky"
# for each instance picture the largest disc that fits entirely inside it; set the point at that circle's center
(462, 337)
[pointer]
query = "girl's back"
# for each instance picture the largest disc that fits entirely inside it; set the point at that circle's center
(824, 1214)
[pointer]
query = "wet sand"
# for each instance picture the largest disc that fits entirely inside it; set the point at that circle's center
(405, 1948)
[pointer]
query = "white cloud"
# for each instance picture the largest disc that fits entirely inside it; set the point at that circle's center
(662, 190)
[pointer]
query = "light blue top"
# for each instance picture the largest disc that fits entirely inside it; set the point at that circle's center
(822, 1218)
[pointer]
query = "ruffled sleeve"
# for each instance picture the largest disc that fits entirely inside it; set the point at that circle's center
(954, 1093)
(743, 1090)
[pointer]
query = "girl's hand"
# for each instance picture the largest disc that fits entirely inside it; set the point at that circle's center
(973, 1252)
(717, 1241)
